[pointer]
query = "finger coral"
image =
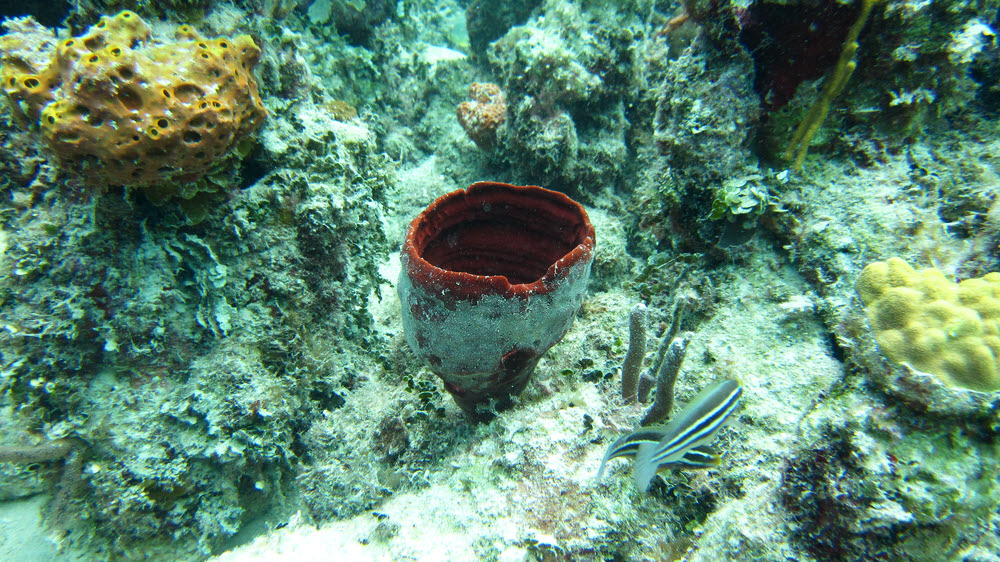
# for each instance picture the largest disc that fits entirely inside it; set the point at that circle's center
(120, 107)
(950, 330)
(482, 116)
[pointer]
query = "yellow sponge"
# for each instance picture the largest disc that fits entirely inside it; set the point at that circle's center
(118, 107)
(950, 330)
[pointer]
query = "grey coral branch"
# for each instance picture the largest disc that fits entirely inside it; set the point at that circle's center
(38, 453)
(636, 353)
(72, 475)
(646, 385)
(666, 378)
(667, 364)
(69, 487)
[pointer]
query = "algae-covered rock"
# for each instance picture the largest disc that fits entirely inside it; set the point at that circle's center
(566, 126)
(189, 359)
(488, 20)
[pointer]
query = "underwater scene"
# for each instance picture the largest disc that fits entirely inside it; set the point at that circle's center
(500, 280)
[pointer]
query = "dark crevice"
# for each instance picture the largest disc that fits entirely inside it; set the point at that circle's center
(49, 14)
(255, 166)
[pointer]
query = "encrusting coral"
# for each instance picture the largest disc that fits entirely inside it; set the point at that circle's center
(483, 116)
(950, 330)
(120, 108)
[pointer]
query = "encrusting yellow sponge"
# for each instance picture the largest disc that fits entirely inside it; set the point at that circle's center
(950, 330)
(119, 107)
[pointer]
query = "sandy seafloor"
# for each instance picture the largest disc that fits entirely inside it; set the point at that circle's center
(283, 423)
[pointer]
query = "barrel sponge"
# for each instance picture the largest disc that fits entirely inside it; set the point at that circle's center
(120, 107)
(921, 318)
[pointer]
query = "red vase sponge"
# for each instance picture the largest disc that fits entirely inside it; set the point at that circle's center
(491, 278)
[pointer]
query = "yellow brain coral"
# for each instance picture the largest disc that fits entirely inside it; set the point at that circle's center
(950, 330)
(118, 107)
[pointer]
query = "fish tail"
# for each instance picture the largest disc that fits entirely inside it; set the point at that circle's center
(644, 468)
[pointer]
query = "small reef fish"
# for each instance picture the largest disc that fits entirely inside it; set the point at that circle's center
(683, 442)
(628, 446)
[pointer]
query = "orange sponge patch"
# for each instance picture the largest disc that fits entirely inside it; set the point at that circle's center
(120, 108)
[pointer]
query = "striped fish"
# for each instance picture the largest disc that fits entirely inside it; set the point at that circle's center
(628, 446)
(695, 426)
(682, 443)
